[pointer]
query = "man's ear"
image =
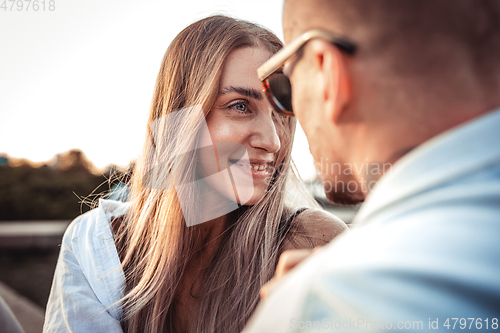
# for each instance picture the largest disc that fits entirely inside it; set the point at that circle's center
(334, 82)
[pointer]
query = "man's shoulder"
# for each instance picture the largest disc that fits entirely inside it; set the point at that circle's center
(454, 167)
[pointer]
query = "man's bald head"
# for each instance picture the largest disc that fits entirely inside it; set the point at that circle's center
(421, 67)
(412, 34)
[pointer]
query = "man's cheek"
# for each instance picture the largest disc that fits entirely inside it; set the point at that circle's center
(299, 100)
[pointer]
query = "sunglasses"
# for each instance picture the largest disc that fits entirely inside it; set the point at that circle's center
(276, 84)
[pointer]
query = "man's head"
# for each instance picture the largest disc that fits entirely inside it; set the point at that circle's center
(421, 67)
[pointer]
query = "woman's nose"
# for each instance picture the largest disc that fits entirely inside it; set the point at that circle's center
(265, 135)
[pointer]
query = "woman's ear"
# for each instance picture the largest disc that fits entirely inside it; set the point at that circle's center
(334, 79)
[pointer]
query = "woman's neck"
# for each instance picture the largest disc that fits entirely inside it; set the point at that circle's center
(210, 236)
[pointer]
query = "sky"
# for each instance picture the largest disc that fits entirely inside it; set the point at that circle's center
(80, 74)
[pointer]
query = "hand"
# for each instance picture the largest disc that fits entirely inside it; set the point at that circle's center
(288, 260)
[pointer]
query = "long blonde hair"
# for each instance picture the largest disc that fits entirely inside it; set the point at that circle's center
(156, 243)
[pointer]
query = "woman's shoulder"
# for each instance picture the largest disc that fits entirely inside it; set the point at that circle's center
(88, 274)
(313, 227)
(88, 248)
(96, 222)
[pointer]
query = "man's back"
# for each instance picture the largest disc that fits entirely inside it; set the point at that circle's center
(411, 83)
(425, 251)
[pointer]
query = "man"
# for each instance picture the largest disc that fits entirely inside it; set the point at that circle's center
(409, 91)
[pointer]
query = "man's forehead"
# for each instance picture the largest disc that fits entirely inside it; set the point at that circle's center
(302, 15)
(291, 20)
(290, 31)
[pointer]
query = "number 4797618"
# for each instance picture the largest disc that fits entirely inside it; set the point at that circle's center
(28, 5)
(478, 323)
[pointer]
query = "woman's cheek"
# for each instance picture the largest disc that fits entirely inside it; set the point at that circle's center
(230, 132)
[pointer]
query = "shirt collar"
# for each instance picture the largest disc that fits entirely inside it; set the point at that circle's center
(442, 159)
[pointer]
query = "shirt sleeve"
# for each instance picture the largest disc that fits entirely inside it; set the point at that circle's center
(415, 275)
(73, 305)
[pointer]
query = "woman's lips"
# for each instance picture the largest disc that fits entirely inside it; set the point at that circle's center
(259, 169)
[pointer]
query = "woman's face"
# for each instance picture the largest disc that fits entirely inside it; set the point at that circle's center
(244, 130)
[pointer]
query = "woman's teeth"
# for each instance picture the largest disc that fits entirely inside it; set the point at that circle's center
(255, 167)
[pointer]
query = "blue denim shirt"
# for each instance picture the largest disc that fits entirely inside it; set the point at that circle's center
(88, 280)
(426, 249)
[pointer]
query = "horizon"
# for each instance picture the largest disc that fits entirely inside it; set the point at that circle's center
(70, 84)
(15, 161)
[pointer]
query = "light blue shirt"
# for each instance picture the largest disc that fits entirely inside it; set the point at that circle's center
(426, 249)
(88, 280)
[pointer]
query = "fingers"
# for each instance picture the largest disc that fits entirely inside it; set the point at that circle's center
(288, 260)
(267, 287)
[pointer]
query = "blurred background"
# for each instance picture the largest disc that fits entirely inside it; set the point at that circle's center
(76, 81)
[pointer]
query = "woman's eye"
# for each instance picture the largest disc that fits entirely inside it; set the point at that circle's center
(240, 107)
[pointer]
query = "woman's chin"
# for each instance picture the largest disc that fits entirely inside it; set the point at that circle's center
(249, 187)
(252, 196)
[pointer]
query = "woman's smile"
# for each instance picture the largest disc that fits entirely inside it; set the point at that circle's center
(258, 168)
(243, 116)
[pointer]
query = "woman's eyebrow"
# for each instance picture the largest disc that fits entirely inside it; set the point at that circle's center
(249, 92)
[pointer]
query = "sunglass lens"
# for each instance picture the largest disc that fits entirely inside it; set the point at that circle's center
(281, 90)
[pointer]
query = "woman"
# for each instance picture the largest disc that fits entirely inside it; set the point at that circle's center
(210, 210)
